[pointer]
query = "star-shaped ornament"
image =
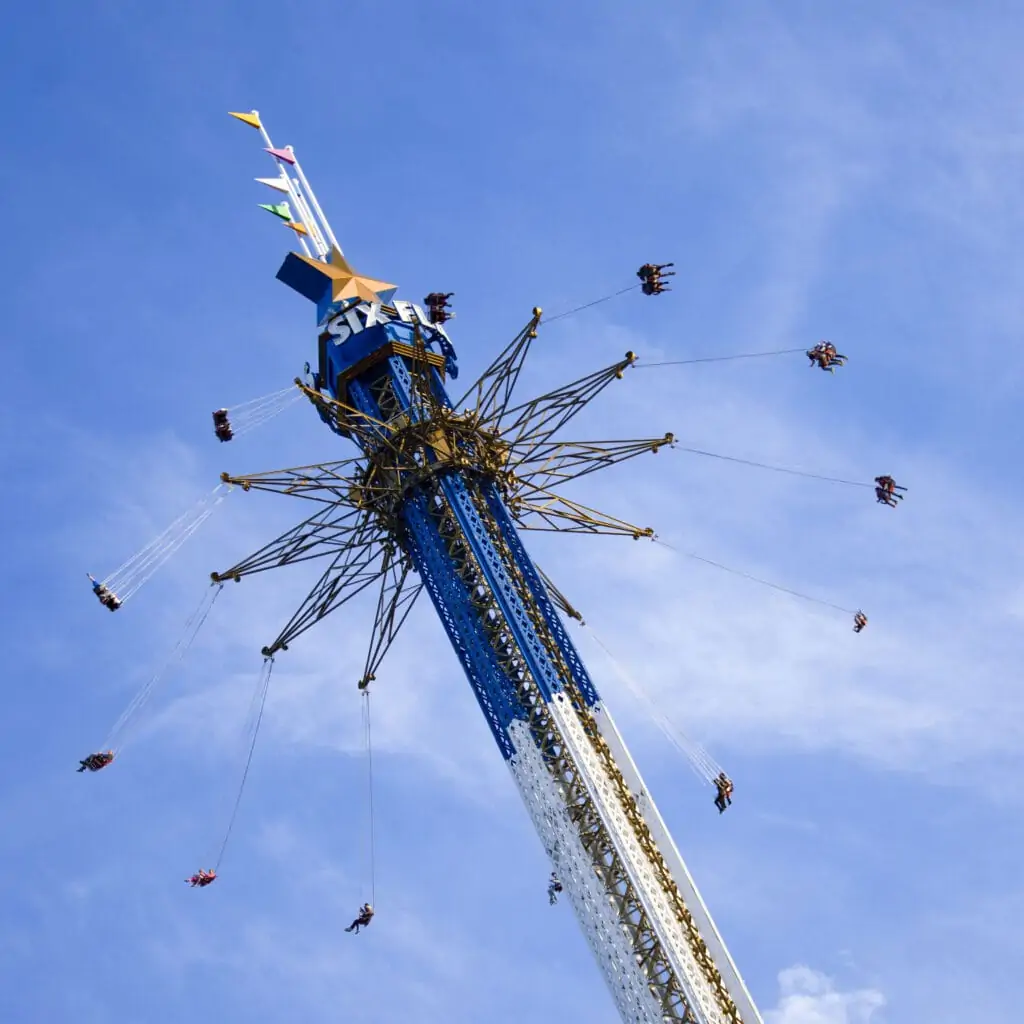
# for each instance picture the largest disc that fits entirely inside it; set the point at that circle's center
(345, 283)
(332, 283)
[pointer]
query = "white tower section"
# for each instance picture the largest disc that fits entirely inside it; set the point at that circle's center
(687, 947)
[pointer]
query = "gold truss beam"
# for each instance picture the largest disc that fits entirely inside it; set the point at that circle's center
(558, 599)
(365, 430)
(427, 403)
(540, 509)
(323, 482)
(494, 387)
(321, 534)
(394, 603)
(352, 570)
(532, 423)
(557, 462)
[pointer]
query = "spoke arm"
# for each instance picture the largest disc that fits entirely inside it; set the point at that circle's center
(394, 603)
(320, 535)
(558, 599)
(352, 570)
(362, 428)
(555, 462)
(325, 482)
(493, 388)
(539, 509)
(532, 423)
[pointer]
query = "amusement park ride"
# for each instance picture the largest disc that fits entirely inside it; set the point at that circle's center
(436, 499)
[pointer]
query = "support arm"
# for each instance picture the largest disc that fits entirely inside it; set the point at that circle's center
(351, 571)
(532, 423)
(556, 462)
(394, 603)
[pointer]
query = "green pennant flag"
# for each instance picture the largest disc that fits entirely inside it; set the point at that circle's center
(277, 209)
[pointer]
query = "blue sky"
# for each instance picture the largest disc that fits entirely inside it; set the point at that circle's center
(814, 173)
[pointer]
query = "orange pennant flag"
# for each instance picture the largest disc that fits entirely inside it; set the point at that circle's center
(299, 229)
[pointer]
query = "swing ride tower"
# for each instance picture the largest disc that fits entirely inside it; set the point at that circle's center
(436, 498)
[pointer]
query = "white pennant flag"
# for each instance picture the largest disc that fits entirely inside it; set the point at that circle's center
(281, 184)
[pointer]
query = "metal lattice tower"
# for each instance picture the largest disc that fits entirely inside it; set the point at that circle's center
(436, 499)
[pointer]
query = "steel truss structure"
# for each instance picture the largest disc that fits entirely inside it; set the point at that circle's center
(436, 500)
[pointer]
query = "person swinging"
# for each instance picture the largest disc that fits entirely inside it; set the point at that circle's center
(222, 426)
(94, 762)
(885, 491)
(364, 918)
(104, 594)
(723, 795)
(651, 275)
(438, 307)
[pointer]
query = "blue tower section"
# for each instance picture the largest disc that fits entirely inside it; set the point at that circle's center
(454, 525)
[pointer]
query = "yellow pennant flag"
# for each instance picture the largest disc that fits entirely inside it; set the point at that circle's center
(299, 229)
(253, 120)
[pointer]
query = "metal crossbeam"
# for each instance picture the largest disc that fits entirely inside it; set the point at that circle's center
(494, 387)
(316, 537)
(556, 462)
(540, 509)
(560, 601)
(394, 603)
(429, 400)
(352, 570)
(362, 428)
(324, 482)
(535, 421)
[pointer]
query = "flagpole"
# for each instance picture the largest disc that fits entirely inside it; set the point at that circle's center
(308, 218)
(292, 191)
(312, 199)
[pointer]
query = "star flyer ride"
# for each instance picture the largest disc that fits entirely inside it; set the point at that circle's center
(436, 499)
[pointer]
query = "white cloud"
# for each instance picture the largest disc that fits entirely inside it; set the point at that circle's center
(809, 997)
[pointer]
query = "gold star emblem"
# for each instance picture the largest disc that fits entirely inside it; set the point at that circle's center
(345, 283)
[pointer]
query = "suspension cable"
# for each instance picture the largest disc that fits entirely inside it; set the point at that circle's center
(774, 469)
(755, 579)
(193, 625)
(587, 305)
(368, 737)
(262, 688)
(126, 580)
(701, 762)
(245, 422)
(719, 359)
(263, 400)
